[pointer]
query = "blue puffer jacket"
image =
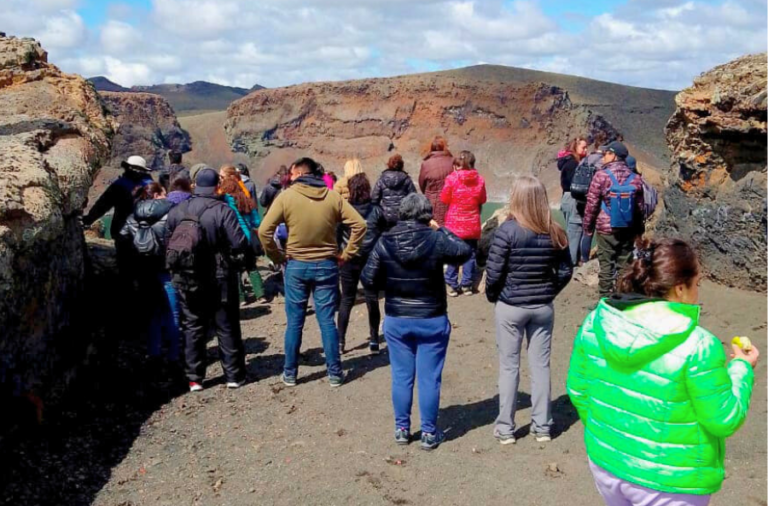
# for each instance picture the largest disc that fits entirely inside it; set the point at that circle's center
(524, 267)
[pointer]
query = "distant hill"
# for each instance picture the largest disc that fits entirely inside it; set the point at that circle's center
(189, 98)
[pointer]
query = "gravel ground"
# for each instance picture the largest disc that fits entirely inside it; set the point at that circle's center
(125, 441)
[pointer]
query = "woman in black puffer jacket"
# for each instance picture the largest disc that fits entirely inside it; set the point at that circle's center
(359, 191)
(391, 188)
(528, 265)
(407, 263)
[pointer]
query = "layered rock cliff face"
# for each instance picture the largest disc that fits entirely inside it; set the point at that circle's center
(147, 126)
(717, 193)
(511, 127)
(54, 135)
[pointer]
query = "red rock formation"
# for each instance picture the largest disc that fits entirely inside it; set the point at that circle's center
(511, 127)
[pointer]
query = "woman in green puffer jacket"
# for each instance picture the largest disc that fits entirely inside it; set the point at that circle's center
(652, 387)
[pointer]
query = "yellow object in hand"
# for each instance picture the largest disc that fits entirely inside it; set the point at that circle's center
(742, 342)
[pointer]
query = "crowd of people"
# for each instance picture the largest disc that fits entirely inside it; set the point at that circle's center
(651, 386)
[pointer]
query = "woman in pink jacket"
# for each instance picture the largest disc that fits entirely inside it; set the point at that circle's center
(464, 194)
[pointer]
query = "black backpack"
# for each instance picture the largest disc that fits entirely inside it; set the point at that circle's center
(145, 241)
(188, 251)
(582, 179)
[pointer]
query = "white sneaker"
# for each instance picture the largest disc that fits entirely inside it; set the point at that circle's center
(543, 438)
(195, 387)
(235, 384)
(452, 292)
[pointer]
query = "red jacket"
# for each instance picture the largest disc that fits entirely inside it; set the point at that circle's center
(464, 193)
(594, 216)
(435, 168)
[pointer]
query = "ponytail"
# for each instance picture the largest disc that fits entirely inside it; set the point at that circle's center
(659, 266)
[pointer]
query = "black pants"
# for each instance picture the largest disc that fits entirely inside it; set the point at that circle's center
(349, 274)
(212, 308)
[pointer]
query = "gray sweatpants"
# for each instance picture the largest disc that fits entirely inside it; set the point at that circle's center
(513, 323)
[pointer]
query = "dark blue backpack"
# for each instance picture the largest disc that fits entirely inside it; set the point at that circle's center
(622, 210)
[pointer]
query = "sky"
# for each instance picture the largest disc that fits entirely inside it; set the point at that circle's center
(661, 44)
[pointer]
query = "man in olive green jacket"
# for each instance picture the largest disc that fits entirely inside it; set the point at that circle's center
(655, 395)
(311, 213)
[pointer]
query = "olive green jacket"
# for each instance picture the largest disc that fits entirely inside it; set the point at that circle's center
(655, 395)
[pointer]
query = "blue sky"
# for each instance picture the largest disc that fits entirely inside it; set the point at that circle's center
(652, 43)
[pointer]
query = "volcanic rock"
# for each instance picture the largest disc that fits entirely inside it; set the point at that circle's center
(717, 193)
(54, 135)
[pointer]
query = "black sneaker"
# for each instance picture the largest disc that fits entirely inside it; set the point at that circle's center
(374, 347)
(336, 381)
(289, 381)
(402, 437)
(431, 441)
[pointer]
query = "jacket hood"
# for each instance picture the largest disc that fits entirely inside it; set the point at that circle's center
(469, 177)
(563, 154)
(409, 242)
(363, 209)
(394, 179)
(561, 160)
(435, 154)
(177, 197)
(311, 187)
(152, 211)
(633, 330)
(618, 164)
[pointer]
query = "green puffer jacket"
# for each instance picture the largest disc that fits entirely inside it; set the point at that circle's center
(655, 396)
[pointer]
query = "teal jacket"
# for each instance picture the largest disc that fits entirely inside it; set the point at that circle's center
(655, 394)
(247, 222)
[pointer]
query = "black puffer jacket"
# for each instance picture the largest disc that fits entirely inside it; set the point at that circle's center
(153, 214)
(270, 192)
(376, 223)
(524, 267)
(407, 263)
(391, 188)
(222, 232)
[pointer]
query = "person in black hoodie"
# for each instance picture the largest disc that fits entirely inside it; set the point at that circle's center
(567, 161)
(360, 198)
(407, 263)
(146, 231)
(528, 265)
(274, 186)
(208, 294)
(391, 188)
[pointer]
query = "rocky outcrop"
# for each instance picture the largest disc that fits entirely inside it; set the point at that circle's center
(717, 193)
(147, 127)
(54, 135)
(511, 127)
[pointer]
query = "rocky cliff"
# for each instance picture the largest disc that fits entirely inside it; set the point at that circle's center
(511, 127)
(717, 193)
(54, 135)
(147, 126)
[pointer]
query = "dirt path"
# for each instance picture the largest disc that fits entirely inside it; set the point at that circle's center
(265, 444)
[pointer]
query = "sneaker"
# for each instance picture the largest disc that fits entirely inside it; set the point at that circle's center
(402, 436)
(542, 438)
(194, 386)
(467, 291)
(431, 441)
(289, 381)
(235, 384)
(452, 292)
(505, 439)
(336, 381)
(374, 347)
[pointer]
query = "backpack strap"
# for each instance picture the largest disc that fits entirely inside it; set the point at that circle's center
(630, 178)
(613, 177)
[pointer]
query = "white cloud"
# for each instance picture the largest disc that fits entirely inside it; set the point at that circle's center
(655, 43)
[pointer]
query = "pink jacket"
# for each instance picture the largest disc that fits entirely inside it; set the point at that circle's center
(464, 193)
(595, 218)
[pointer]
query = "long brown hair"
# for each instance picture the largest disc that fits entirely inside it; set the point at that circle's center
(573, 147)
(659, 266)
(231, 185)
(529, 206)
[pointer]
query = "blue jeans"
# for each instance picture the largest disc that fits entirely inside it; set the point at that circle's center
(468, 270)
(322, 280)
(417, 348)
(164, 322)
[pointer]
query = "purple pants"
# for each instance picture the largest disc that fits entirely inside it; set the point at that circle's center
(618, 492)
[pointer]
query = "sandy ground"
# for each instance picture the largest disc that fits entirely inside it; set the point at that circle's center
(267, 444)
